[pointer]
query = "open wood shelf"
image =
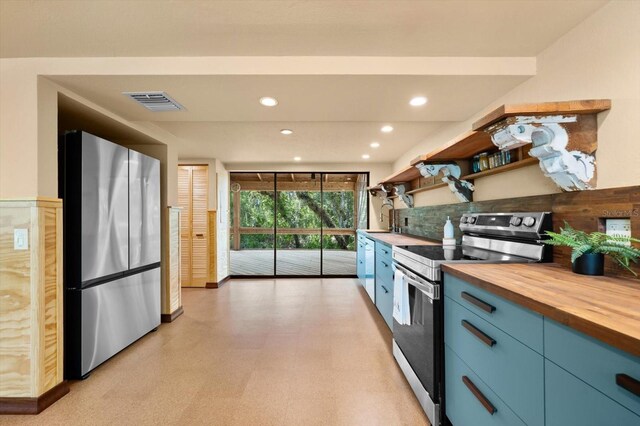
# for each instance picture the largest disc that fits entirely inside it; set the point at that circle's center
(407, 174)
(463, 147)
(592, 106)
(501, 169)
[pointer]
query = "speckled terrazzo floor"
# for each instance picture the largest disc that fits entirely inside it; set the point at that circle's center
(254, 352)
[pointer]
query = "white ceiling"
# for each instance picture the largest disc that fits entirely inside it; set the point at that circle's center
(334, 118)
(335, 113)
(314, 142)
(70, 28)
(301, 97)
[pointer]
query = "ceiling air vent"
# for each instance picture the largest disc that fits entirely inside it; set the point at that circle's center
(155, 101)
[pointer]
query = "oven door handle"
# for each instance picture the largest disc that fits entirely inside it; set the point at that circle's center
(432, 291)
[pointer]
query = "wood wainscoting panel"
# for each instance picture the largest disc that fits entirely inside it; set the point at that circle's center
(213, 252)
(31, 299)
(172, 294)
(15, 304)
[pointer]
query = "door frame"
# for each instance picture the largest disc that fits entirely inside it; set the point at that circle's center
(190, 219)
(275, 212)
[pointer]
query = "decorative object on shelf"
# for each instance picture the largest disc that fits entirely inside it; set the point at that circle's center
(571, 170)
(588, 250)
(451, 176)
(383, 190)
(401, 190)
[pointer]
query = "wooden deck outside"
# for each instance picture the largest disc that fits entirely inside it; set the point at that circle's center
(293, 262)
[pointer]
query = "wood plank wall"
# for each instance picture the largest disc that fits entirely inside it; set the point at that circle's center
(31, 298)
(584, 210)
(212, 277)
(172, 294)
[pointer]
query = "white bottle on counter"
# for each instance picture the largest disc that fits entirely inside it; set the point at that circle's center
(448, 233)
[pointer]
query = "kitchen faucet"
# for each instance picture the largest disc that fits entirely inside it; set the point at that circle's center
(388, 202)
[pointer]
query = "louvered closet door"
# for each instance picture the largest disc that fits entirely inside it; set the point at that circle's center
(199, 205)
(192, 197)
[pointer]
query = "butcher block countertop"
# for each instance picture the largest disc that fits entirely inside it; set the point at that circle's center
(605, 308)
(395, 239)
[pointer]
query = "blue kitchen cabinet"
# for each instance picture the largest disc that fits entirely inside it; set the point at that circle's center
(593, 362)
(384, 282)
(470, 401)
(514, 371)
(370, 268)
(360, 257)
(527, 365)
(571, 402)
(520, 323)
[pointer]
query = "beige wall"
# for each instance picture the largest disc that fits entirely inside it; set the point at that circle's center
(377, 172)
(600, 58)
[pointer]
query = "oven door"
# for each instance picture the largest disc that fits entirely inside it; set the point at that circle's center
(421, 340)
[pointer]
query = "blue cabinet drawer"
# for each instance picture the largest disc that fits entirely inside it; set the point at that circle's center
(511, 369)
(360, 259)
(572, 402)
(361, 237)
(384, 299)
(384, 268)
(464, 407)
(383, 249)
(521, 323)
(592, 361)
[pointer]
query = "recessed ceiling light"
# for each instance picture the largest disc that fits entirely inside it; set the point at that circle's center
(365, 156)
(268, 101)
(297, 158)
(286, 131)
(418, 101)
(374, 145)
(386, 129)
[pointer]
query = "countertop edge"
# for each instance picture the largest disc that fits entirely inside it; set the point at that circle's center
(373, 236)
(602, 333)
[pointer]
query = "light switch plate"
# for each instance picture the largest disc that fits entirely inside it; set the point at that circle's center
(21, 239)
(620, 227)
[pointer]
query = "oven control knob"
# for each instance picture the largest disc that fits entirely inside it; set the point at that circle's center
(463, 219)
(529, 221)
(515, 221)
(472, 220)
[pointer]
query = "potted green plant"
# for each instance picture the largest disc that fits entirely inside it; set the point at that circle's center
(588, 249)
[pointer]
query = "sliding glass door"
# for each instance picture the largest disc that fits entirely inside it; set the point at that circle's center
(296, 224)
(252, 223)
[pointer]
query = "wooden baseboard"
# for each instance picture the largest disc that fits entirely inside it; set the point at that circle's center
(33, 405)
(219, 283)
(172, 316)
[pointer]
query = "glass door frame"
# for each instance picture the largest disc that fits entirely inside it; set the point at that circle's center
(275, 223)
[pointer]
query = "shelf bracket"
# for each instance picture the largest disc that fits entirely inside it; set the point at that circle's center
(400, 190)
(550, 137)
(451, 173)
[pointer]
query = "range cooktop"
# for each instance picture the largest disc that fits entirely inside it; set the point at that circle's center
(426, 260)
(434, 254)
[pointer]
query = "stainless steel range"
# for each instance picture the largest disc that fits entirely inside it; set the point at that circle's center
(418, 335)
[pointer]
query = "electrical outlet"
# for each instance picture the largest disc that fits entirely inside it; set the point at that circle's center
(619, 227)
(20, 239)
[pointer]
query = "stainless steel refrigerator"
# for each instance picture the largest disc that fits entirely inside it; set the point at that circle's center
(111, 211)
